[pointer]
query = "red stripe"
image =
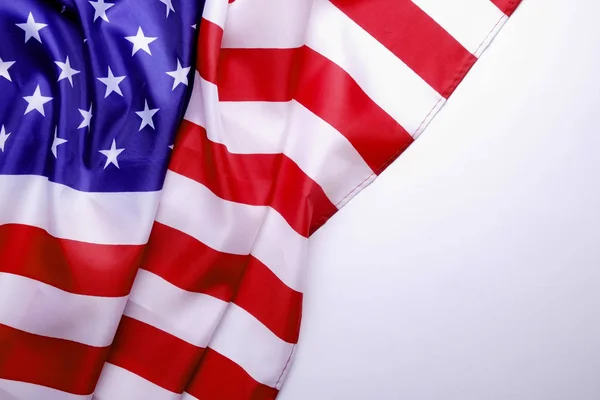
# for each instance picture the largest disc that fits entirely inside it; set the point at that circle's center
(76, 267)
(318, 84)
(219, 378)
(258, 74)
(154, 355)
(190, 265)
(375, 135)
(60, 364)
(507, 6)
(418, 40)
(263, 295)
(209, 44)
(257, 179)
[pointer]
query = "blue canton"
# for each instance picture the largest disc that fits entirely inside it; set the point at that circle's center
(92, 92)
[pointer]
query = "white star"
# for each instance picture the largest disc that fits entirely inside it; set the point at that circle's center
(112, 154)
(171, 146)
(169, 5)
(100, 8)
(87, 118)
(180, 75)
(194, 26)
(4, 66)
(57, 142)
(146, 116)
(36, 101)
(3, 137)
(112, 83)
(66, 71)
(140, 42)
(32, 29)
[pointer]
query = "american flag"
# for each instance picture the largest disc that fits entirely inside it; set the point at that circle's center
(122, 279)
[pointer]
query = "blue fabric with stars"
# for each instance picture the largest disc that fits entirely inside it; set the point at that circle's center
(55, 57)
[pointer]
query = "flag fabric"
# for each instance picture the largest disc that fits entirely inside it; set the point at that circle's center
(120, 279)
(91, 95)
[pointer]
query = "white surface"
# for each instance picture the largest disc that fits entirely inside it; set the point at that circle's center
(471, 268)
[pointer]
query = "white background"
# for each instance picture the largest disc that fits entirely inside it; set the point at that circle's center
(471, 268)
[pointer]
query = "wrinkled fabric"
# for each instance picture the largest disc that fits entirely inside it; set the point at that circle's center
(292, 110)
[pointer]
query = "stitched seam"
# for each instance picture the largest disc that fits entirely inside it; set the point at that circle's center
(286, 365)
(504, 17)
(377, 171)
(459, 77)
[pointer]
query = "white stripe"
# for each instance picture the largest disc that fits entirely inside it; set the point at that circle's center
(254, 127)
(102, 218)
(247, 342)
(15, 390)
(190, 316)
(468, 21)
(215, 11)
(117, 383)
(195, 108)
(211, 114)
(266, 24)
(234, 228)
(281, 249)
(238, 138)
(187, 396)
(390, 83)
(38, 308)
(323, 153)
(223, 225)
(257, 130)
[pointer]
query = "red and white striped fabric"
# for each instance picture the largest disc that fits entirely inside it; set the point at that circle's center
(57, 324)
(297, 106)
